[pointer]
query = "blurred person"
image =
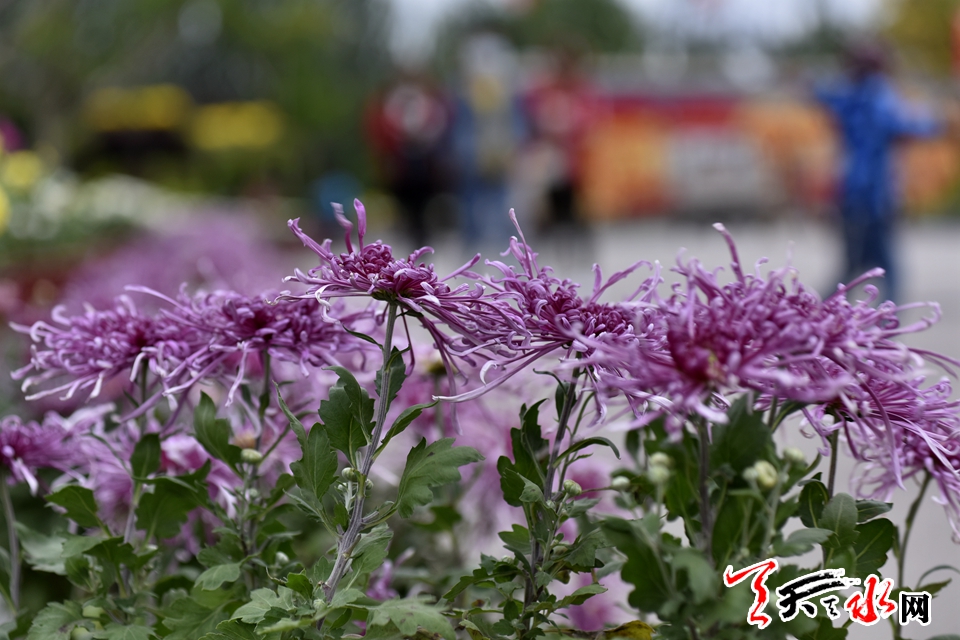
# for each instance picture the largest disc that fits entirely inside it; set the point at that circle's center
(409, 126)
(488, 126)
(871, 118)
(560, 109)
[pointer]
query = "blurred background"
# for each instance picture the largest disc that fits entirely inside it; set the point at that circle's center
(157, 142)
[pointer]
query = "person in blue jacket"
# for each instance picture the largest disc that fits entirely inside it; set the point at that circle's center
(871, 118)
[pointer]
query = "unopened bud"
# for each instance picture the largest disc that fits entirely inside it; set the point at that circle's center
(620, 483)
(767, 474)
(349, 473)
(658, 474)
(750, 474)
(281, 558)
(660, 459)
(81, 633)
(319, 604)
(572, 488)
(794, 456)
(561, 548)
(251, 455)
(551, 505)
(91, 611)
(368, 483)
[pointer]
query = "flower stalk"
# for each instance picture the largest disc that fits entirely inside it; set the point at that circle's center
(13, 541)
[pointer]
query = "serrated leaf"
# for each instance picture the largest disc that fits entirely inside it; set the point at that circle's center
(41, 552)
(55, 621)
(371, 550)
(870, 509)
(398, 372)
(702, 580)
(216, 575)
(583, 552)
(261, 601)
(317, 468)
(114, 631)
(301, 584)
(408, 615)
(163, 512)
(801, 541)
(80, 504)
(531, 493)
(517, 540)
(347, 414)
(872, 544)
(743, 440)
(430, 466)
(589, 442)
(840, 516)
(403, 421)
(187, 619)
(214, 433)
(145, 459)
(232, 630)
(581, 595)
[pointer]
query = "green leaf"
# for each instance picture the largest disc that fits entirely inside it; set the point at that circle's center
(216, 575)
(317, 468)
(261, 601)
(702, 580)
(300, 583)
(75, 545)
(145, 459)
(589, 442)
(933, 588)
(116, 552)
(581, 595)
(517, 540)
(813, 497)
(583, 551)
(430, 466)
(531, 492)
(801, 541)
(114, 631)
(43, 553)
(80, 504)
(870, 509)
(650, 592)
(347, 415)
(826, 631)
(398, 373)
(187, 619)
(872, 544)
(840, 516)
(232, 630)
(163, 512)
(371, 550)
(742, 441)
(214, 434)
(408, 615)
(55, 621)
(403, 421)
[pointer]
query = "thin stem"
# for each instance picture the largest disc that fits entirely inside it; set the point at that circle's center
(265, 394)
(14, 542)
(834, 439)
(908, 527)
(569, 401)
(350, 537)
(706, 516)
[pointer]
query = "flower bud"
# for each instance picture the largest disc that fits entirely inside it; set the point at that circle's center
(620, 483)
(794, 456)
(251, 455)
(660, 459)
(750, 474)
(319, 604)
(658, 474)
(560, 548)
(551, 505)
(349, 473)
(368, 483)
(572, 488)
(281, 558)
(767, 474)
(81, 633)
(92, 612)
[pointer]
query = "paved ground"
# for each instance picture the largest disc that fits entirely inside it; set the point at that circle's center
(930, 257)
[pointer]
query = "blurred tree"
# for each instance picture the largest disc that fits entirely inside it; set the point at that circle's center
(317, 59)
(924, 30)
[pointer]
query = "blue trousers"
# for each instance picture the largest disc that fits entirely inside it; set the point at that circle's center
(869, 242)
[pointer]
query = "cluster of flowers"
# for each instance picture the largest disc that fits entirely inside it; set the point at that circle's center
(680, 356)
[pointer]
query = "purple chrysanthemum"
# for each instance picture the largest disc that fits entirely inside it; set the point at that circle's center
(478, 321)
(84, 351)
(28, 446)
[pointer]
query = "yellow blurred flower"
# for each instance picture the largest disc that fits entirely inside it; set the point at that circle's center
(154, 107)
(4, 211)
(234, 125)
(21, 170)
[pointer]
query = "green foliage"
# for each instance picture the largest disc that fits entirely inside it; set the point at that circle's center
(164, 510)
(430, 466)
(347, 415)
(214, 433)
(79, 503)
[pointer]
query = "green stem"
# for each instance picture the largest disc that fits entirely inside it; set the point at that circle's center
(706, 516)
(265, 395)
(350, 537)
(831, 479)
(14, 542)
(908, 527)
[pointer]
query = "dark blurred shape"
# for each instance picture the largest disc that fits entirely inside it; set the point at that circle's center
(871, 118)
(409, 125)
